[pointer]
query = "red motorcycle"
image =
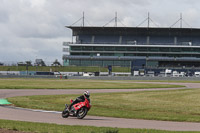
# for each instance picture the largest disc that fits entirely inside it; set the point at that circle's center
(78, 110)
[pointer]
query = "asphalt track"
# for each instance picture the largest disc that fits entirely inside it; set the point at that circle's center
(19, 114)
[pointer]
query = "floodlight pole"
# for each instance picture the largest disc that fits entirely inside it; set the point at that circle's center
(83, 19)
(148, 20)
(181, 19)
(115, 19)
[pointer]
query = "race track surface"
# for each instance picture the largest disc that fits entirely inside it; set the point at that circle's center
(19, 114)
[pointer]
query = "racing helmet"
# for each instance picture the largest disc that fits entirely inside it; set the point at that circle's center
(87, 94)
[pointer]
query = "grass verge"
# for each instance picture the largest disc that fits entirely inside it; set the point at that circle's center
(64, 68)
(173, 105)
(75, 84)
(54, 128)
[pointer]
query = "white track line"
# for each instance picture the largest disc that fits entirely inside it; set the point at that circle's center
(34, 110)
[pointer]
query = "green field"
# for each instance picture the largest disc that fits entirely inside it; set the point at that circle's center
(53, 128)
(173, 105)
(75, 84)
(64, 68)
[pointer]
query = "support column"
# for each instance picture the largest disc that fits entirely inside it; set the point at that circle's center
(148, 40)
(175, 40)
(92, 40)
(120, 39)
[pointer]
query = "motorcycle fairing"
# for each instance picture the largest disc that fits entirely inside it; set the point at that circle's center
(78, 105)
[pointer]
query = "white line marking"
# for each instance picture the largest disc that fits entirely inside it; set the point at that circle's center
(34, 110)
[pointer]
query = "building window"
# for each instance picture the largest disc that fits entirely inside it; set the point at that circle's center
(109, 48)
(87, 48)
(142, 49)
(76, 48)
(175, 49)
(98, 48)
(153, 49)
(131, 49)
(164, 49)
(120, 48)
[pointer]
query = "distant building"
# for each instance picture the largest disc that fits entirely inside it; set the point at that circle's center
(135, 47)
(21, 64)
(26, 63)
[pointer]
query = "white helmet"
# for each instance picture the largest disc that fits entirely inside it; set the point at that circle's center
(87, 94)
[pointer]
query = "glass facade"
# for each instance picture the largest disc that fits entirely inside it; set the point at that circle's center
(135, 51)
(127, 51)
(120, 46)
(101, 63)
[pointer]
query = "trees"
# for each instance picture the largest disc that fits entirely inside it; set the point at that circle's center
(29, 63)
(56, 63)
(39, 62)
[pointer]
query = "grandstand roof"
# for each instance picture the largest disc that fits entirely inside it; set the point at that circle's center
(136, 31)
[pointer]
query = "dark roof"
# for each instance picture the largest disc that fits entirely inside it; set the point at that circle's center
(141, 31)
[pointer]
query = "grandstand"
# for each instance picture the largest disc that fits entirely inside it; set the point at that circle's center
(135, 47)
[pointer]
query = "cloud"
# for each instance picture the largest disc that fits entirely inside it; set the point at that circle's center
(36, 28)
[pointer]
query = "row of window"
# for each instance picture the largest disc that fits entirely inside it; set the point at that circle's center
(99, 63)
(138, 54)
(150, 49)
(136, 39)
(127, 63)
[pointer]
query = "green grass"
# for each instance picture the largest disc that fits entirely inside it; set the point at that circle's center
(75, 84)
(53, 128)
(173, 105)
(64, 68)
(168, 81)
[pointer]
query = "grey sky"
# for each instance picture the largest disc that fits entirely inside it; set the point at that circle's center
(31, 29)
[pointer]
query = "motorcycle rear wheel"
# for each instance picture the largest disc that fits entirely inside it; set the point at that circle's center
(82, 113)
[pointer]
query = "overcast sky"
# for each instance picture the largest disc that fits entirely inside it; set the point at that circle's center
(31, 29)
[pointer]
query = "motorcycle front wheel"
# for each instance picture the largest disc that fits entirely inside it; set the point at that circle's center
(65, 113)
(82, 113)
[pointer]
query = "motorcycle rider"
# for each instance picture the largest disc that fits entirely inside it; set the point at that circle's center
(86, 94)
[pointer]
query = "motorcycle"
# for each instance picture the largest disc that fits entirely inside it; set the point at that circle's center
(78, 110)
